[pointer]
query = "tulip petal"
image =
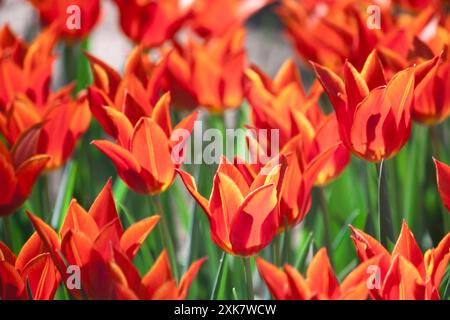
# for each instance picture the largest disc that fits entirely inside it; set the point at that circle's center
(443, 181)
(136, 234)
(188, 277)
(275, 279)
(321, 278)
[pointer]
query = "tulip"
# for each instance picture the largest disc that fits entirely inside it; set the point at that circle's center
(38, 274)
(51, 122)
(214, 18)
(443, 181)
(208, 74)
(96, 242)
(405, 273)
(374, 117)
(151, 23)
(242, 211)
(320, 283)
(74, 19)
(432, 94)
(298, 179)
(147, 154)
(159, 284)
(18, 173)
(282, 104)
(135, 94)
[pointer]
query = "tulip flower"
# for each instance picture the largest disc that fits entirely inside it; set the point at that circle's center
(74, 19)
(405, 273)
(35, 271)
(214, 18)
(135, 94)
(242, 211)
(320, 282)
(282, 104)
(18, 173)
(374, 116)
(443, 181)
(208, 74)
(147, 154)
(159, 284)
(96, 242)
(432, 97)
(151, 23)
(51, 122)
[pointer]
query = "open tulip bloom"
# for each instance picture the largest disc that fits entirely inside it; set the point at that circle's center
(238, 140)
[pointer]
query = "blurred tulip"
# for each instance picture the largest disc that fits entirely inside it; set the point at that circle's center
(74, 19)
(443, 181)
(374, 117)
(18, 173)
(243, 211)
(405, 273)
(52, 123)
(209, 74)
(432, 94)
(151, 23)
(214, 18)
(135, 94)
(146, 154)
(320, 283)
(282, 104)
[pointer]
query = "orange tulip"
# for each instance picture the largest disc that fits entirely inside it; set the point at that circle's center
(35, 271)
(243, 211)
(374, 116)
(432, 94)
(147, 154)
(443, 181)
(405, 273)
(208, 74)
(282, 104)
(96, 242)
(74, 19)
(214, 18)
(18, 172)
(159, 284)
(51, 122)
(331, 32)
(135, 94)
(320, 283)
(151, 23)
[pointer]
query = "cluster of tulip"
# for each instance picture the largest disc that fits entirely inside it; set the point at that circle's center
(378, 81)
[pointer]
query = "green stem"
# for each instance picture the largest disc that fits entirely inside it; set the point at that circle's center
(434, 137)
(286, 242)
(326, 222)
(218, 280)
(384, 211)
(167, 239)
(248, 279)
(276, 250)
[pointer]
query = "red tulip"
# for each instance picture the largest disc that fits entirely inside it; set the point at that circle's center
(151, 23)
(405, 273)
(242, 210)
(51, 122)
(18, 172)
(320, 283)
(74, 19)
(96, 242)
(147, 154)
(36, 272)
(214, 18)
(443, 181)
(208, 74)
(374, 116)
(282, 104)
